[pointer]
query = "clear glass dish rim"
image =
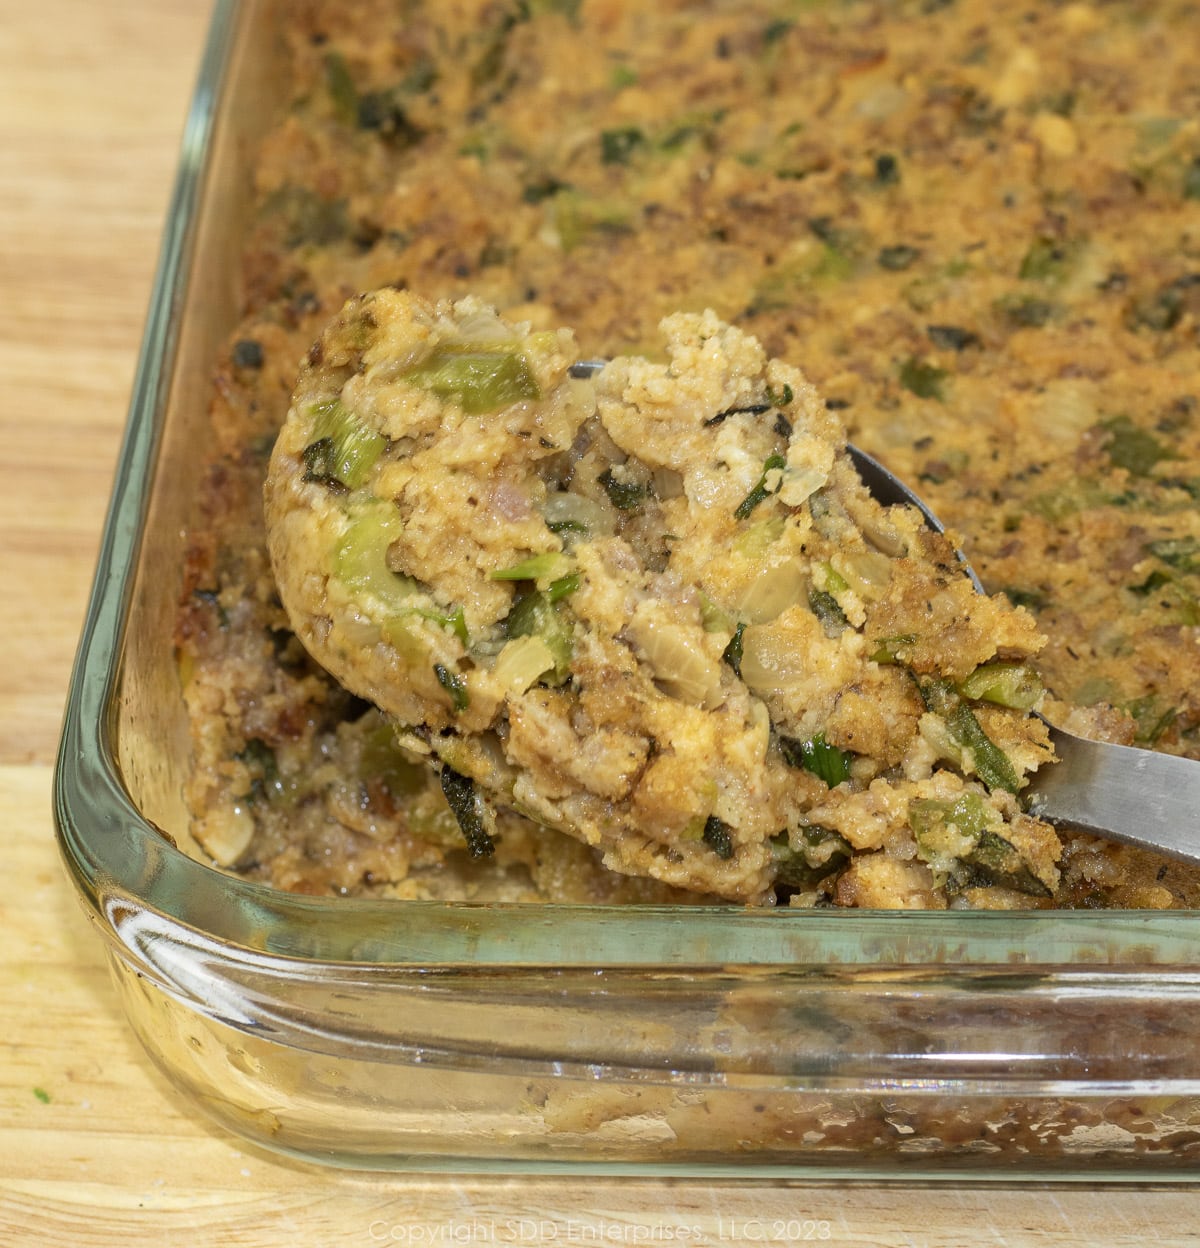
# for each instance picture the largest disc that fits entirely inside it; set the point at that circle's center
(112, 851)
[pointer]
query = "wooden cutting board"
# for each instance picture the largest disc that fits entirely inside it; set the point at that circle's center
(96, 1148)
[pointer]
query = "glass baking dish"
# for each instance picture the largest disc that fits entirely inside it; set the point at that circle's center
(631, 1040)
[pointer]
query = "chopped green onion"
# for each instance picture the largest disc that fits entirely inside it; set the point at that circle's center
(992, 765)
(889, 649)
(732, 654)
(624, 495)
(563, 587)
(823, 853)
(567, 527)
(455, 685)
(1047, 260)
(455, 621)
(996, 862)
(963, 828)
(887, 171)
(817, 756)
(768, 484)
(825, 607)
(1026, 311)
(1181, 553)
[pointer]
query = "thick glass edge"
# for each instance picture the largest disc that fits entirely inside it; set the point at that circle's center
(117, 857)
(91, 807)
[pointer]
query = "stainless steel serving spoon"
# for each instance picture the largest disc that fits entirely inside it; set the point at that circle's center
(1140, 797)
(1137, 796)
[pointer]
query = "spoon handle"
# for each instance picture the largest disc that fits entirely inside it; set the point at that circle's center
(1137, 796)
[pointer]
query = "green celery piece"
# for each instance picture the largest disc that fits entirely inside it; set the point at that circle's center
(1006, 684)
(835, 582)
(992, 765)
(536, 615)
(816, 755)
(382, 760)
(966, 812)
(342, 91)
(890, 648)
(360, 560)
(1047, 260)
(479, 379)
(991, 861)
(713, 617)
(1133, 449)
(360, 563)
(551, 565)
(923, 379)
(343, 450)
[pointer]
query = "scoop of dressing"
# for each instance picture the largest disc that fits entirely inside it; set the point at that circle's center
(654, 606)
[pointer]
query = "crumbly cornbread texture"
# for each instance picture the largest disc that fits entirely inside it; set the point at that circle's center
(657, 611)
(976, 231)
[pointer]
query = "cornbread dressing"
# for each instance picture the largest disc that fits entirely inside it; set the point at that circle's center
(657, 611)
(977, 234)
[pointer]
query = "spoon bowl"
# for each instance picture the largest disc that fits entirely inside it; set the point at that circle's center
(1140, 797)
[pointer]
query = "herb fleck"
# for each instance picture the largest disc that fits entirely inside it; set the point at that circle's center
(464, 803)
(732, 654)
(454, 684)
(717, 836)
(769, 483)
(897, 258)
(923, 379)
(617, 146)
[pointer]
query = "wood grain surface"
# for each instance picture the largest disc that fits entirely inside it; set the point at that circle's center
(96, 1148)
